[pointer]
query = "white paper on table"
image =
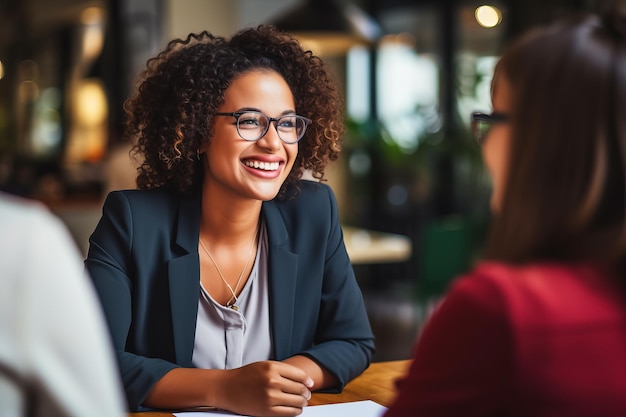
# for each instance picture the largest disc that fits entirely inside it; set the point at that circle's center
(366, 408)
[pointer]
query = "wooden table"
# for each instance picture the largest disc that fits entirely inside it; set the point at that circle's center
(376, 383)
(371, 247)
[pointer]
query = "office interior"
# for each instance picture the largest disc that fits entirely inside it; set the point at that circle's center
(412, 189)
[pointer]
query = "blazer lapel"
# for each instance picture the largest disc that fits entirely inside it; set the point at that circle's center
(283, 265)
(184, 280)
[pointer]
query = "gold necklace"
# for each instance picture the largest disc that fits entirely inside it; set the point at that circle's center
(230, 288)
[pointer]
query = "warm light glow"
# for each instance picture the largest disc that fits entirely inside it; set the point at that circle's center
(93, 31)
(92, 16)
(88, 133)
(90, 103)
(93, 40)
(404, 38)
(328, 44)
(488, 16)
(1, 70)
(27, 91)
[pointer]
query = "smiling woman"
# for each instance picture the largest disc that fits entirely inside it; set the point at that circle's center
(224, 278)
(235, 166)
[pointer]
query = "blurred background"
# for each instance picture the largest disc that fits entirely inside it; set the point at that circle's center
(412, 190)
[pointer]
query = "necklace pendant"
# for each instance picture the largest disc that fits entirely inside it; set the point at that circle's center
(234, 307)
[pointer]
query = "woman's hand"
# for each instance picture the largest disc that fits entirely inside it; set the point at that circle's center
(265, 388)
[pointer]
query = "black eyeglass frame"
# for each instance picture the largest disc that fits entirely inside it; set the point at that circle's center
(489, 118)
(238, 114)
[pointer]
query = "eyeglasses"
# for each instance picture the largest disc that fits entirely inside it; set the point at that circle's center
(253, 125)
(482, 122)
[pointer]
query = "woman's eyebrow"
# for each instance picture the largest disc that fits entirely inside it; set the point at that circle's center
(244, 109)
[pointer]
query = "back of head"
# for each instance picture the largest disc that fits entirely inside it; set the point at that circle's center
(565, 193)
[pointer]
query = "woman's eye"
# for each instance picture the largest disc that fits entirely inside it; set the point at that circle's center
(249, 121)
(287, 124)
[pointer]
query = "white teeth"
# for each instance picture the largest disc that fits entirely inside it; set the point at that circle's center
(265, 166)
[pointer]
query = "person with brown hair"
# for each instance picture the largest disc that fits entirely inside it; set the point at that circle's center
(538, 328)
(225, 278)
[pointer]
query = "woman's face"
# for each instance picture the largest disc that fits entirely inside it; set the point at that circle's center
(254, 170)
(496, 147)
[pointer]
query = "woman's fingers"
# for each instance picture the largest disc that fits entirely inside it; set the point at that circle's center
(267, 388)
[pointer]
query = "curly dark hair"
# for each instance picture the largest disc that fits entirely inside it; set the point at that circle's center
(172, 111)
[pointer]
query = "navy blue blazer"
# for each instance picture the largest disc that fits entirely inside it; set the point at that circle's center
(143, 258)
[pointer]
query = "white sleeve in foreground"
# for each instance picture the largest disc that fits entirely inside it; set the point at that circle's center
(63, 334)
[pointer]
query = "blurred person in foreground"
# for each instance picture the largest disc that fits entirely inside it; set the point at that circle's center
(539, 327)
(225, 279)
(56, 359)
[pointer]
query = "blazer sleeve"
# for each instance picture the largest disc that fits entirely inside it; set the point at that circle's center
(68, 370)
(344, 342)
(109, 262)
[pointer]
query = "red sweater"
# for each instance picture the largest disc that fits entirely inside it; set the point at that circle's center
(539, 340)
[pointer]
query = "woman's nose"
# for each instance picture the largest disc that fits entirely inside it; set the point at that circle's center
(271, 140)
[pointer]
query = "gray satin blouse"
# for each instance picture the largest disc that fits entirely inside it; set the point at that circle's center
(227, 339)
